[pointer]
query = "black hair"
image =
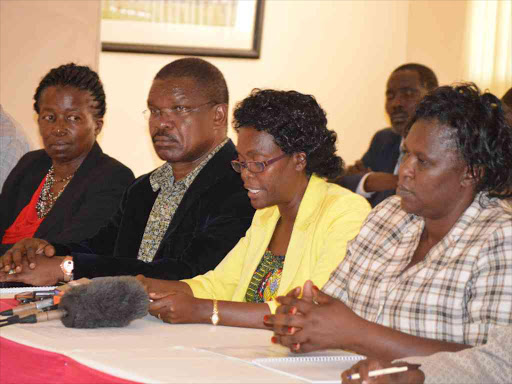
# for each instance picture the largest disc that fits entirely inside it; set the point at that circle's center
(481, 134)
(297, 123)
(428, 79)
(77, 76)
(207, 75)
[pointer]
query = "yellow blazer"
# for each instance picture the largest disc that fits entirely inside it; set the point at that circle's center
(328, 217)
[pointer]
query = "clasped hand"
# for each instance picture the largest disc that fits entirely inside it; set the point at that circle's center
(24, 254)
(22, 259)
(357, 168)
(174, 307)
(315, 321)
(171, 306)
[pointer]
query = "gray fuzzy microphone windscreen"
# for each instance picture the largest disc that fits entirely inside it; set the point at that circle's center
(105, 302)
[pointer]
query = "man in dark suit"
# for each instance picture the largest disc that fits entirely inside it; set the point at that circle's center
(375, 175)
(179, 220)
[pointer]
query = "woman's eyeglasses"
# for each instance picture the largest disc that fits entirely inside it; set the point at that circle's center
(254, 166)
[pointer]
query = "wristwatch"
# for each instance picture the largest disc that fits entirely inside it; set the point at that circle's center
(67, 267)
(215, 314)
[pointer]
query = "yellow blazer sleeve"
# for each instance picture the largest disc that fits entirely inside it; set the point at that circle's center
(343, 222)
(221, 282)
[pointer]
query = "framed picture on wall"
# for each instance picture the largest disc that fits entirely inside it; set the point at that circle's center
(226, 28)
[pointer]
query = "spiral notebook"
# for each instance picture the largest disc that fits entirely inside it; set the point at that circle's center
(313, 369)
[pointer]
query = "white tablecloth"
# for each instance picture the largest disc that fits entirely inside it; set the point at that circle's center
(149, 350)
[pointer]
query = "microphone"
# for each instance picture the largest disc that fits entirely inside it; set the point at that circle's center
(17, 318)
(26, 307)
(43, 316)
(105, 302)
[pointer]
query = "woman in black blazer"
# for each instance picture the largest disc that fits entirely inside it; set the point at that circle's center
(67, 191)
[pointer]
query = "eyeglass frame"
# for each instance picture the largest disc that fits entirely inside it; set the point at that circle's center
(264, 164)
(173, 111)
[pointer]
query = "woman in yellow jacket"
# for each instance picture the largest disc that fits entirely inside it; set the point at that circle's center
(300, 230)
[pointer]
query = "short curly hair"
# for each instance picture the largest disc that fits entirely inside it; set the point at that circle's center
(207, 75)
(297, 123)
(428, 79)
(77, 76)
(479, 130)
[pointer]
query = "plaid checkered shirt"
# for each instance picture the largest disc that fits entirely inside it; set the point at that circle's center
(457, 293)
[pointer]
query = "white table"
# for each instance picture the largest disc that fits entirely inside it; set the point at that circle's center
(149, 350)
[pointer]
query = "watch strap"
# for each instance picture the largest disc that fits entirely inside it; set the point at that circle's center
(215, 313)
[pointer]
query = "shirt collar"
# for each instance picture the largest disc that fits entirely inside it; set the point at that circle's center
(163, 177)
(480, 202)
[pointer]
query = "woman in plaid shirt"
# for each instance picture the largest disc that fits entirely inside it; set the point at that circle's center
(431, 268)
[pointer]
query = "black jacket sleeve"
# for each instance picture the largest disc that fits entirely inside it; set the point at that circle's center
(213, 215)
(185, 254)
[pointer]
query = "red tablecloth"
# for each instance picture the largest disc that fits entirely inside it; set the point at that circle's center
(20, 364)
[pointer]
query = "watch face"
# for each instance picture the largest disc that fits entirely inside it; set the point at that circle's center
(215, 319)
(68, 266)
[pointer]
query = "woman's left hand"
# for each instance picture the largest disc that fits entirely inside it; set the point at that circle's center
(48, 272)
(323, 323)
(176, 307)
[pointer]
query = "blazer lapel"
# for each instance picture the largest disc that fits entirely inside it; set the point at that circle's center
(308, 212)
(217, 168)
(54, 221)
(30, 181)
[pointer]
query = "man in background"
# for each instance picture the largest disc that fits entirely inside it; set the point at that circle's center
(13, 144)
(375, 176)
(176, 222)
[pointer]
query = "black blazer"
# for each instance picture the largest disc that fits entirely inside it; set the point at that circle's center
(382, 156)
(89, 200)
(214, 214)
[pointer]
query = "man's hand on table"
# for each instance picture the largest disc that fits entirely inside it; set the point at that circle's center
(48, 271)
(414, 376)
(23, 254)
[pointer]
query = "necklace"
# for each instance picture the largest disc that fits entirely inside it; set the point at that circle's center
(47, 198)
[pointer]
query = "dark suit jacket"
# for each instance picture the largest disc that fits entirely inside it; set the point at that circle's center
(214, 214)
(89, 200)
(382, 156)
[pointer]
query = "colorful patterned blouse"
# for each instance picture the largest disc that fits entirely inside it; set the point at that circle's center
(265, 281)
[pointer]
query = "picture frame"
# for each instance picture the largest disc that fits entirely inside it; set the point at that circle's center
(223, 28)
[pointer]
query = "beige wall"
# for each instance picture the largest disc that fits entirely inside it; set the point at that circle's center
(36, 36)
(340, 51)
(435, 37)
